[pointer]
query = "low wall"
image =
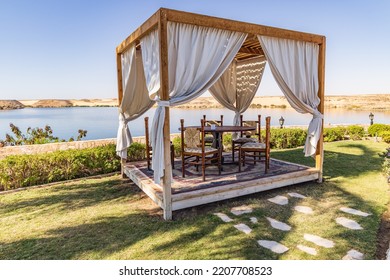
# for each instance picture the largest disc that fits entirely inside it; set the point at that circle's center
(61, 146)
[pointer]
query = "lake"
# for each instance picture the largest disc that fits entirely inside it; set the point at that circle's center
(102, 122)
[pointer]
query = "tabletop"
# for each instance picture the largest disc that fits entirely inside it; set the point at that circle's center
(225, 128)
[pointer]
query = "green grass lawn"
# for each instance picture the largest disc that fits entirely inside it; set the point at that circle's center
(110, 218)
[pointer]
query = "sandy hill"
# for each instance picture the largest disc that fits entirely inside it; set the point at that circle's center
(52, 103)
(10, 104)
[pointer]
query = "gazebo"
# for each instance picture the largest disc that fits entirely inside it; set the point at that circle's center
(175, 56)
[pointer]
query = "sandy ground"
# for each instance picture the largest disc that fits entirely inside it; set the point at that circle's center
(374, 102)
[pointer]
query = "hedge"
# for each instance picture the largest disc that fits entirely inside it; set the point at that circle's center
(378, 129)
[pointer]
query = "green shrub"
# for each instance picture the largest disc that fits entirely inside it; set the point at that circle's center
(27, 170)
(136, 151)
(177, 146)
(355, 132)
(385, 136)
(334, 133)
(227, 142)
(377, 129)
(287, 137)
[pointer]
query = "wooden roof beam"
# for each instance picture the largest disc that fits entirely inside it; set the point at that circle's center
(232, 25)
(251, 51)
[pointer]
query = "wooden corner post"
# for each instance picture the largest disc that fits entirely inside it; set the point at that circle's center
(321, 95)
(120, 97)
(164, 95)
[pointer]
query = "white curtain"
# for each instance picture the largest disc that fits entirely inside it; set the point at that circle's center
(294, 65)
(238, 85)
(135, 99)
(197, 57)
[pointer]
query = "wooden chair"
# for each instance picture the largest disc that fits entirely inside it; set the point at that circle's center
(256, 151)
(209, 137)
(247, 137)
(195, 152)
(149, 152)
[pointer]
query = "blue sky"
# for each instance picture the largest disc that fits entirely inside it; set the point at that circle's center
(66, 48)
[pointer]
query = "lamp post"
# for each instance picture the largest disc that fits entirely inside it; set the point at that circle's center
(371, 116)
(281, 122)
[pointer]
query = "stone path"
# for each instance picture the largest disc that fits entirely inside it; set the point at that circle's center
(309, 250)
(224, 217)
(279, 248)
(304, 209)
(244, 228)
(348, 223)
(278, 225)
(239, 210)
(319, 240)
(353, 255)
(274, 246)
(354, 212)
(281, 200)
(297, 195)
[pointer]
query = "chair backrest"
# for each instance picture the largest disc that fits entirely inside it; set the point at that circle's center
(256, 123)
(146, 131)
(210, 122)
(190, 137)
(268, 134)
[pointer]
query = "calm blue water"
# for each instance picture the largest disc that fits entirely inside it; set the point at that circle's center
(102, 122)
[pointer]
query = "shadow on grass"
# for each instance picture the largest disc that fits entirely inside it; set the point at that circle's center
(338, 163)
(73, 196)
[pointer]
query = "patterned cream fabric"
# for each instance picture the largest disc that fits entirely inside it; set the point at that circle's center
(192, 138)
(199, 150)
(250, 123)
(254, 145)
(245, 140)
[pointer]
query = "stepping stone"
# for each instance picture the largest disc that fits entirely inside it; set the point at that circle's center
(244, 228)
(273, 246)
(281, 200)
(297, 195)
(309, 250)
(319, 240)
(278, 225)
(351, 224)
(353, 255)
(354, 211)
(254, 220)
(224, 217)
(304, 209)
(239, 210)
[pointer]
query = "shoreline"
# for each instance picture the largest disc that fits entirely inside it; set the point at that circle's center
(373, 102)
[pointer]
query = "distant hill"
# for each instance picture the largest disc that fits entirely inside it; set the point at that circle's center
(10, 104)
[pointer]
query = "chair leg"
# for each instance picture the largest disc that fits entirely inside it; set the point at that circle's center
(219, 162)
(182, 165)
(233, 152)
(172, 156)
(239, 160)
(203, 169)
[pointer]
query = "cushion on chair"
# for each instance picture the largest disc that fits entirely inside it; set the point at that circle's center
(199, 150)
(209, 138)
(245, 140)
(254, 145)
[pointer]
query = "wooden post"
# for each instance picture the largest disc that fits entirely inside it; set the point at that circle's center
(321, 95)
(164, 87)
(120, 97)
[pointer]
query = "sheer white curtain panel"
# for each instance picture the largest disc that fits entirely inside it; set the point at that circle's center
(197, 57)
(135, 100)
(294, 65)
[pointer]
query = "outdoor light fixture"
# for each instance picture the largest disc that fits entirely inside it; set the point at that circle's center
(371, 116)
(281, 122)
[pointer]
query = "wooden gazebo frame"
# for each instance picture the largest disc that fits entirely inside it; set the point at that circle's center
(250, 48)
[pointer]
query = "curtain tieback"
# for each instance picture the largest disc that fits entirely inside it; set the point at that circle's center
(163, 103)
(123, 119)
(317, 115)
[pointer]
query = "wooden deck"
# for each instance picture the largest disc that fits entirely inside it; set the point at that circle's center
(192, 191)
